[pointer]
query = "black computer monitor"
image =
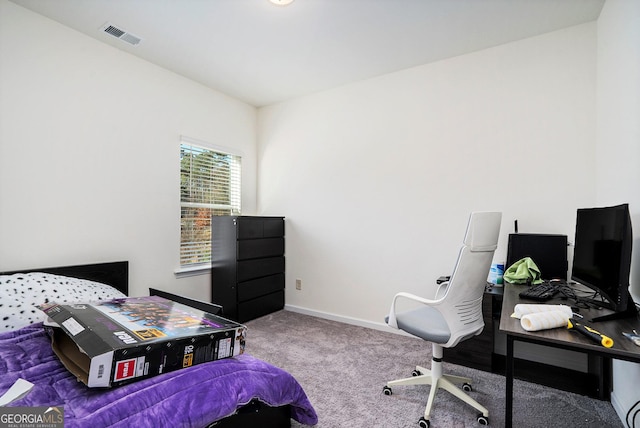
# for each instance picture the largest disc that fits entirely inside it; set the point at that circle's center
(602, 257)
(548, 252)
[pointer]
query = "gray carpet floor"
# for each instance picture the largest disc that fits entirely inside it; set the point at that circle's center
(343, 368)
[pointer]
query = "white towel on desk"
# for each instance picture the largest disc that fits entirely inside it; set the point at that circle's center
(544, 320)
(524, 309)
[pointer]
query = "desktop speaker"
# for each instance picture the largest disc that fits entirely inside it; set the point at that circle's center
(549, 252)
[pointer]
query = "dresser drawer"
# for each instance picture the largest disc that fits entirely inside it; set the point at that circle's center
(261, 306)
(257, 268)
(257, 248)
(259, 287)
(259, 227)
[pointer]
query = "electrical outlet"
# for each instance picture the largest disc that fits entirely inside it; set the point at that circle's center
(298, 284)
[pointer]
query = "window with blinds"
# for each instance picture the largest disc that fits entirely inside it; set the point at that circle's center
(209, 185)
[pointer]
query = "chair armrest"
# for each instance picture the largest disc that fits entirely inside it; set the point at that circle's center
(392, 312)
(442, 289)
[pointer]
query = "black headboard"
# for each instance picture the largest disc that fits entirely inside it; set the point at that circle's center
(212, 308)
(115, 274)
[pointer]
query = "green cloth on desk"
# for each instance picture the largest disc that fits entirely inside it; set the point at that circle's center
(523, 271)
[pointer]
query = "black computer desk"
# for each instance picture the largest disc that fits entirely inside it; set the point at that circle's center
(623, 348)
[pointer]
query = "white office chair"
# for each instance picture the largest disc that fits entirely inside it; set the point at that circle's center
(454, 315)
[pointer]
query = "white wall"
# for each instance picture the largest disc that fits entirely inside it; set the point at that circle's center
(89, 152)
(618, 149)
(377, 178)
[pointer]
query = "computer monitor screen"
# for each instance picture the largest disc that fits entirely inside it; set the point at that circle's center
(602, 253)
(548, 252)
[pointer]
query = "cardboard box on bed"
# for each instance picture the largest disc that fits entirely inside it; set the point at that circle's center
(122, 340)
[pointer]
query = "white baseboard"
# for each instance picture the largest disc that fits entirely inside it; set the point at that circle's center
(618, 406)
(344, 319)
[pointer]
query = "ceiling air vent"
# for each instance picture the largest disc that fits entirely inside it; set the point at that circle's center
(121, 34)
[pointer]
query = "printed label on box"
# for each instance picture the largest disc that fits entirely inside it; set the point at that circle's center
(125, 369)
(224, 348)
(73, 326)
(140, 366)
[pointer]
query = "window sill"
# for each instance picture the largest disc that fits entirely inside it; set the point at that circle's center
(183, 272)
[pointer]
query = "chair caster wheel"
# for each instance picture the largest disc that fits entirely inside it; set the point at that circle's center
(387, 391)
(466, 387)
(416, 373)
(424, 423)
(483, 420)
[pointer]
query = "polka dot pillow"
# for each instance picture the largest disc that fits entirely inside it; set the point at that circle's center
(21, 292)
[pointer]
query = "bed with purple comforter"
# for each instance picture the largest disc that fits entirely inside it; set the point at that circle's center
(192, 397)
(235, 392)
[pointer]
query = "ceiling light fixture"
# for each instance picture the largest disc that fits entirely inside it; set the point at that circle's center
(281, 2)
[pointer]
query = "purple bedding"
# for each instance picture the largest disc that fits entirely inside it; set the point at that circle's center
(192, 397)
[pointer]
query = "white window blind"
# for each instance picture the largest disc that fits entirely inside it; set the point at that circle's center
(209, 185)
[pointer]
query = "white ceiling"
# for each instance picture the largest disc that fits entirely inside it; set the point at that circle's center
(263, 54)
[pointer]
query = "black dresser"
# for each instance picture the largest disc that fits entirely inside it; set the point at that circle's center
(248, 265)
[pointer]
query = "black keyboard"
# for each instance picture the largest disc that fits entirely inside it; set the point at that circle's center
(540, 292)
